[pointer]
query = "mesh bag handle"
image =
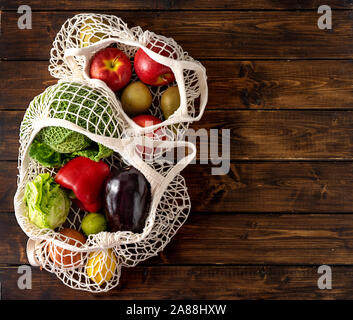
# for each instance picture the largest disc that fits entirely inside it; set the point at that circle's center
(177, 66)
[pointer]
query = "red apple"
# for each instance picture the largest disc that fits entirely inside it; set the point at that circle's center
(151, 72)
(147, 121)
(112, 66)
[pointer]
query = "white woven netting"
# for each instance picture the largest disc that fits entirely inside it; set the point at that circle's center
(87, 106)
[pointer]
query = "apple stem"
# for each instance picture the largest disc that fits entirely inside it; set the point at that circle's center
(113, 62)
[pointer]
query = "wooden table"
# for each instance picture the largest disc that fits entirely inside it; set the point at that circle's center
(284, 89)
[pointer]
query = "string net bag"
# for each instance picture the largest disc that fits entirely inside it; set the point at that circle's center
(85, 34)
(94, 264)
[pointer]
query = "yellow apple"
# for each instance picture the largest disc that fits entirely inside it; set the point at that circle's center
(88, 35)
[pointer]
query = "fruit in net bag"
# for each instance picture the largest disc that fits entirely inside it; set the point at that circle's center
(170, 101)
(146, 120)
(94, 109)
(112, 66)
(64, 258)
(101, 266)
(93, 223)
(136, 98)
(150, 71)
(89, 34)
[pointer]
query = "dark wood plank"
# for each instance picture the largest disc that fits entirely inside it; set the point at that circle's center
(21, 81)
(284, 134)
(271, 187)
(232, 239)
(83, 5)
(173, 5)
(254, 135)
(292, 84)
(8, 185)
(206, 34)
(9, 134)
(222, 282)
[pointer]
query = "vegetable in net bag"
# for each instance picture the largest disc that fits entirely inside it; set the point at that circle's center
(75, 108)
(85, 34)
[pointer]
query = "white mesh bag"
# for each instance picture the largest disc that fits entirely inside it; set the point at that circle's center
(84, 34)
(95, 266)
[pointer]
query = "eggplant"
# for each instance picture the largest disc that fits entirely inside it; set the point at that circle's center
(127, 196)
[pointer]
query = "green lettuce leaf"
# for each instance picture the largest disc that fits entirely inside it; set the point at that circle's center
(50, 158)
(45, 155)
(96, 152)
(48, 205)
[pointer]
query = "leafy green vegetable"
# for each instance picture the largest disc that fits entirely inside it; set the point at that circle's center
(48, 205)
(46, 156)
(95, 152)
(50, 158)
(63, 140)
(84, 106)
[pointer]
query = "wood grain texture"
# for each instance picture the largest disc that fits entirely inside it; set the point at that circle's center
(282, 135)
(248, 239)
(253, 135)
(204, 34)
(270, 187)
(172, 4)
(203, 282)
(271, 208)
(21, 81)
(296, 84)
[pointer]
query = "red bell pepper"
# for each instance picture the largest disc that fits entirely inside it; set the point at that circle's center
(85, 178)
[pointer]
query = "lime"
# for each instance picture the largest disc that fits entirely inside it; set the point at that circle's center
(93, 223)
